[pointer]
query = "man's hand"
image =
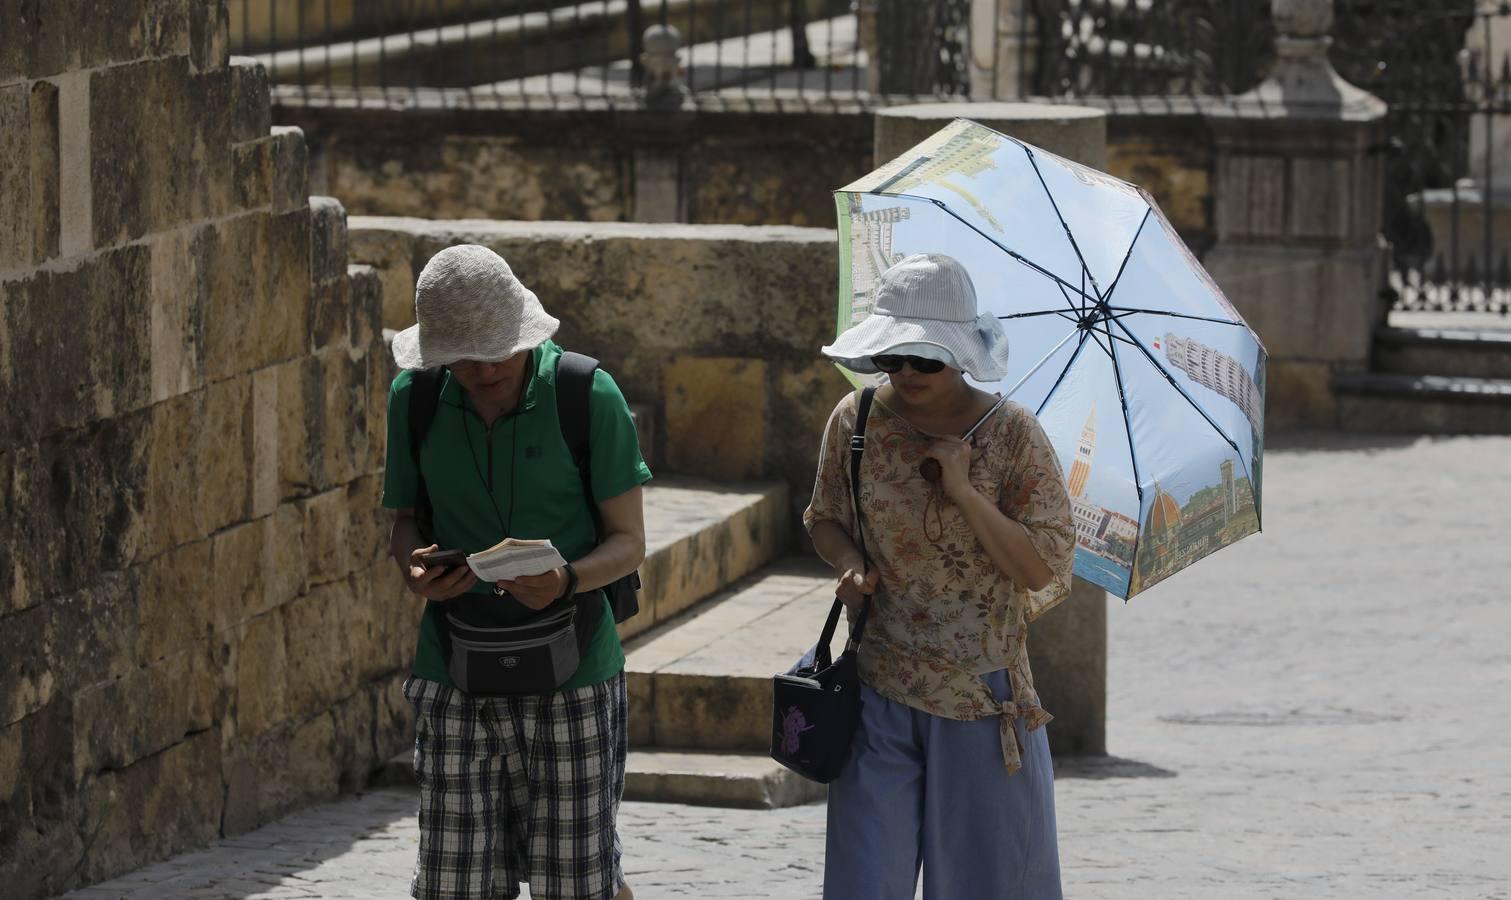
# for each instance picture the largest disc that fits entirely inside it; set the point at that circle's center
(855, 586)
(537, 591)
(437, 583)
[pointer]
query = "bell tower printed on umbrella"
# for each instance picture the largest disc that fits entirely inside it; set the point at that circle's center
(1145, 377)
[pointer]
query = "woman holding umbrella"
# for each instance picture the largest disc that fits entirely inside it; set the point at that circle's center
(967, 539)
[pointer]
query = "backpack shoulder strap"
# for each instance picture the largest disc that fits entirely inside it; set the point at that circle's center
(424, 399)
(574, 385)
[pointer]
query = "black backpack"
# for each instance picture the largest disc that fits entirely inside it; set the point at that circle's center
(574, 383)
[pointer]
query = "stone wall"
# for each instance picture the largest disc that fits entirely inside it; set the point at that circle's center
(747, 164)
(196, 630)
(715, 327)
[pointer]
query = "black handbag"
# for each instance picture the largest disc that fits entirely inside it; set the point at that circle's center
(815, 708)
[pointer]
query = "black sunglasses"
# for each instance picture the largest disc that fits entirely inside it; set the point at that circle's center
(893, 364)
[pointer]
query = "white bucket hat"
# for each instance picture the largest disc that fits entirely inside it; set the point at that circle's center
(469, 305)
(926, 303)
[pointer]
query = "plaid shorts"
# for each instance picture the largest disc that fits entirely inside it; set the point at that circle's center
(519, 789)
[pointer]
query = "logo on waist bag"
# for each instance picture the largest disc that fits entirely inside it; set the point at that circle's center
(508, 662)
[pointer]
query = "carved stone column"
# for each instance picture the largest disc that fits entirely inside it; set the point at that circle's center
(658, 163)
(1004, 49)
(1297, 212)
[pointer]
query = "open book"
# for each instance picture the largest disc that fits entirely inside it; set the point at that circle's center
(512, 558)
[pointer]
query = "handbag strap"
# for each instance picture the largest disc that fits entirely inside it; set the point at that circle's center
(857, 449)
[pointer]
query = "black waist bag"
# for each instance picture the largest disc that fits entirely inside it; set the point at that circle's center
(535, 657)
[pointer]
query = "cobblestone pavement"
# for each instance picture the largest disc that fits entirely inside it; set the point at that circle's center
(1319, 711)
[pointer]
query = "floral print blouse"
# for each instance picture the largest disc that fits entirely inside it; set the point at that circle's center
(943, 614)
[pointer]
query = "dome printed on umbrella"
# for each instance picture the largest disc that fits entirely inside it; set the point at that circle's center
(1147, 380)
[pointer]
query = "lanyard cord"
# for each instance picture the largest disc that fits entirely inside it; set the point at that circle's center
(506, 525)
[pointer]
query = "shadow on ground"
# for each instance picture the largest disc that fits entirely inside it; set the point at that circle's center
(1103, 767)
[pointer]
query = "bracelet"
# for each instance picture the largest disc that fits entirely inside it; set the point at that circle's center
(571, 581)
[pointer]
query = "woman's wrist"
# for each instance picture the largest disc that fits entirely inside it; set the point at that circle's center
(959, 490)
(848, 562)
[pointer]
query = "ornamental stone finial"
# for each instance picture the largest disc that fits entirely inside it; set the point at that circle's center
(1304, 28)
(1303, 84)
(663, 70)
(1303, 18)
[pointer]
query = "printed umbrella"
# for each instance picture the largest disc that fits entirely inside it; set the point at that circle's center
(1147, 381)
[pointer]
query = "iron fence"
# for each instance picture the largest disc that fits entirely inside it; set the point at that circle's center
(862, 51)
(1089, 48)
(460, 52)
(1445, 70)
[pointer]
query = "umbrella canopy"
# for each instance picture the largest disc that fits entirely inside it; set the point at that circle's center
(1147, 381)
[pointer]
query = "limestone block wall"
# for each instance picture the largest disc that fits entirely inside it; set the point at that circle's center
(196, 632)
(716, 327)
(744, 166)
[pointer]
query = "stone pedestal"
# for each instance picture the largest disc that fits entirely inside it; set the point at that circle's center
(1299, 190)
(1074, 132)
(1068, 646)
(658, 168)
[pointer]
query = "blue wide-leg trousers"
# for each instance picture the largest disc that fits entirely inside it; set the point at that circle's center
(921, 791)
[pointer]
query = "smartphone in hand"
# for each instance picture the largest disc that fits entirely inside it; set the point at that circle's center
(444, 559)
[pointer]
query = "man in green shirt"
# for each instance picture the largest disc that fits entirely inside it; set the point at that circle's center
(513, 787)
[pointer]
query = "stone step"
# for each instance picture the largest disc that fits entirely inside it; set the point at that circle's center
(732, 780)
(1430, 404)
(1432, 351)
(703, 682)
(702, 536)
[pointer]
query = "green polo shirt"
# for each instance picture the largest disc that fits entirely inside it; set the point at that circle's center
(515, 479)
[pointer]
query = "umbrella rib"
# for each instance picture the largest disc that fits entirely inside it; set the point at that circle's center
(1138, 481)
(1129, 255)
(1040, 364)
(994, 242)
(1105, 348)
(1065, 314)
(1113, 337)
(1063, 372)
(1086, 270)
(1174, 315)
(1182, 391)
(1071, 304)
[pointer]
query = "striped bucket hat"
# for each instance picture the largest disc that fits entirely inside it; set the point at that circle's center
(926, 306)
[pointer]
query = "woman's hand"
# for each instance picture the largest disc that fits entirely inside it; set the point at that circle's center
(954, 458)
(438, 583)
(855, 585)
(537, 591)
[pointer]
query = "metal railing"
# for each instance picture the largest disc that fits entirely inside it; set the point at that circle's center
(1445, 71)
(460, 52)
(1091, 48)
